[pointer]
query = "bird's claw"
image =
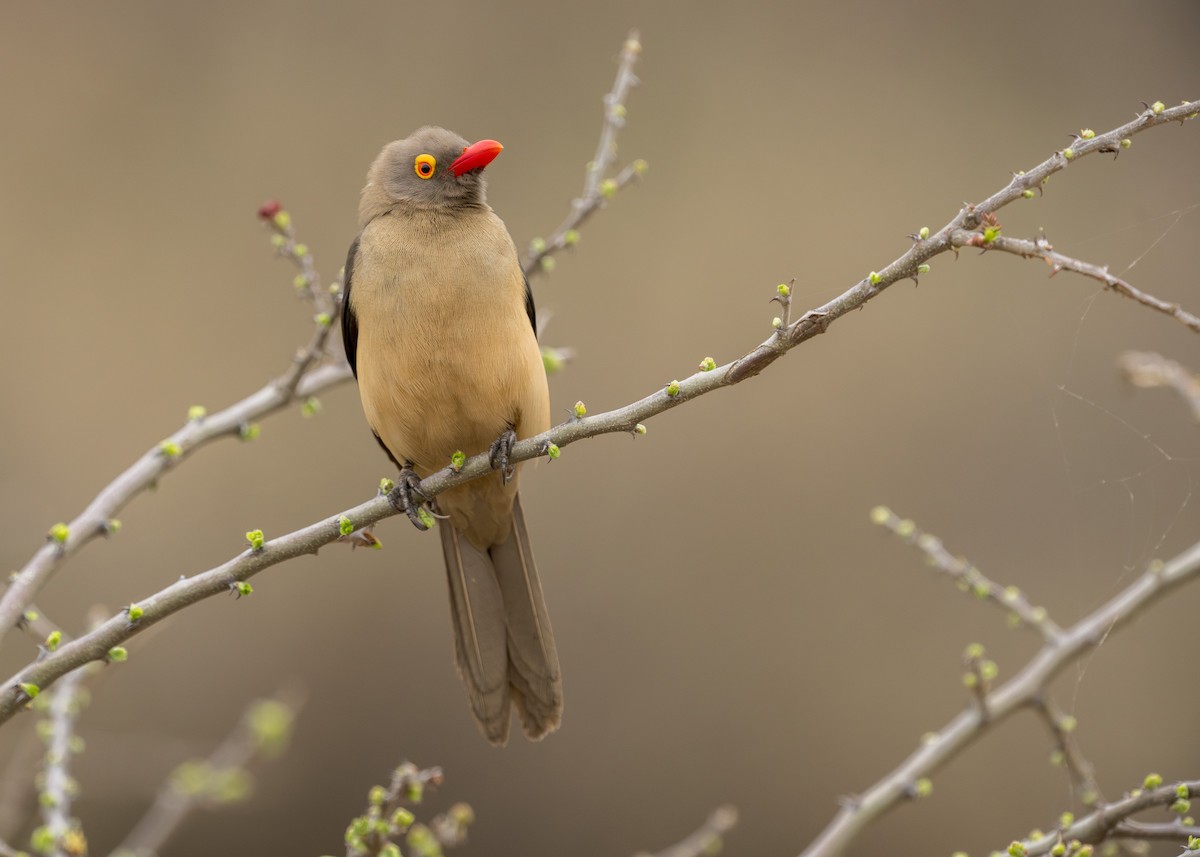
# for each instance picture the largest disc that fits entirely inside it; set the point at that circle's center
(499, 454)
(402, 496)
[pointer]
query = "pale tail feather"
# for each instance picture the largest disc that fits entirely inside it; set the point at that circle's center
(502, 635)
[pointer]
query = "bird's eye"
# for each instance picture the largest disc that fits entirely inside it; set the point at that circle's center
(424, 165)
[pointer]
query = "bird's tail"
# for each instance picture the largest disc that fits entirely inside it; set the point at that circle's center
(502, 636)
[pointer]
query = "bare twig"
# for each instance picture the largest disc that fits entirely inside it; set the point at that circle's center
(969, 578)
(1022, 691)
(61, 834)
(263, 733)
(1146, 369)
(1113, 819)
(625, 419)
(1062, 728)
(597, 188)
(1040, 248)
(705, 840)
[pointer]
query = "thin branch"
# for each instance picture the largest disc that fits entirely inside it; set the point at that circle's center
(1023, 690)
(968, 577)
(1081, 771)
(61, 832)
(707, 839)
(597, 190)
(262, 733)
(1040, 248)
(629, 419)
(1114, 819)
(1146, 369)
(1170, 831)
(7, 850)
(386, 820)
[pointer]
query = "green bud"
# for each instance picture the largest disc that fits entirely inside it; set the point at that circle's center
(390, 849)
(300, 251)
(377, 795)
(170, 449)
(547, 263)
(386, 485)
(135, 612)
(300, 281)
(53, 639)
(708, 364)
(970, 681)
(973, 652)
(1158, 107)
(1027, 193)
(1087, 133)
(60, 532)
(923, 268)
(673, 389)
(1067, 723)
(784, 290)
(323, 319)
(580, 410)
(1059, 849)
(462, 814)
(1126, 143)
(777, 322)
(923, 233)
(552, 450)
(118, 654)
(1152, 781)
(255, 539)
(1011, 594)
(457, 460)
(402, 818)
(1181, 790)
(1057, 758)
(43, 840)
(1066, 820)
(1181, 806)
(1068, 153)
(1016, 849)
(537, 245)
(640, 167)
(990, 234)
(988, 670)
(197, 413)
(426, 518)
(283, 220)
(345, 525)
(1193, 843)
(881, 515)
(29, 689)
(874, 278)
(608, 188)
(416, 791)
(270, 722)
(923, 787)
(250, 431)
(242, 588)
(311, 407)
(571, 237)
(277, 241)
(112, 525)
(639, 429)
(553, 360)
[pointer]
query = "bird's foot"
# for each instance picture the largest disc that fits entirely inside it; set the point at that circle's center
(499, 453)
(403, 496)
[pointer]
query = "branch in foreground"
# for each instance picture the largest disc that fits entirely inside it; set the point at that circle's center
(222, 778)
(1025, 689)
(788, 335)
(1040, 248)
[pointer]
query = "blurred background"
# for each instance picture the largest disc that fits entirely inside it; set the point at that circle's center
(731, 626)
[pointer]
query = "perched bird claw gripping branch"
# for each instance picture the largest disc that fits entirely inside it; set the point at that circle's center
(440, 329)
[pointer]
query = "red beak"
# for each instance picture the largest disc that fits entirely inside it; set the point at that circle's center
(476, 156)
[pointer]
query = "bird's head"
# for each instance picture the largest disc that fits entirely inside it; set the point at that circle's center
(431, 168)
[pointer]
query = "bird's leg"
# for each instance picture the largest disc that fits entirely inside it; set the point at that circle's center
(500, 450)
(402, 495)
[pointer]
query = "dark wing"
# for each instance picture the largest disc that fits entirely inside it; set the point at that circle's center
(349, 321)
(529, 308)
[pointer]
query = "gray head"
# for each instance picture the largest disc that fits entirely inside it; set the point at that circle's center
(432, 168)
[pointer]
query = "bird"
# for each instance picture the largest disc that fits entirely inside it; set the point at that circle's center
(440, 330)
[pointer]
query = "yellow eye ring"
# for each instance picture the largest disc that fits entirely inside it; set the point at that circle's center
(424, 166)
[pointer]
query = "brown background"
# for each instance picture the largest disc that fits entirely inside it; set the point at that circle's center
(731, 627)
